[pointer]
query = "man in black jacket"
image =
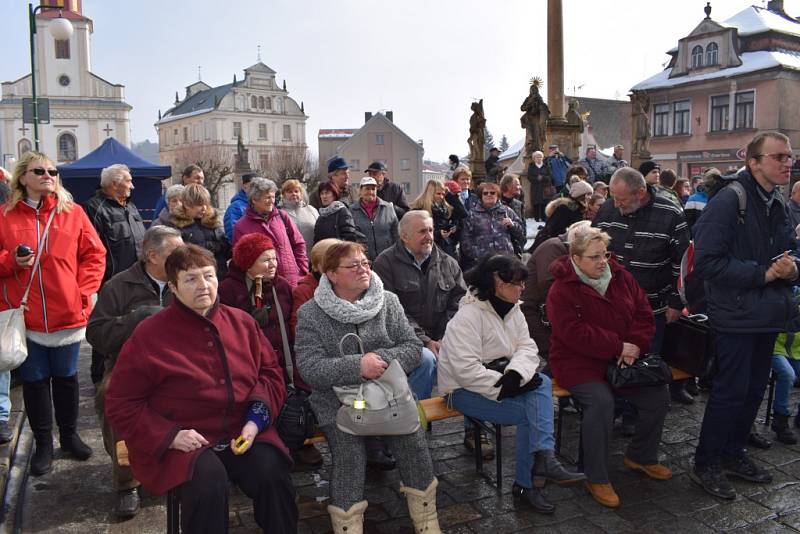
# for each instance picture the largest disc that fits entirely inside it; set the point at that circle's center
(742, 255)
(387, 190)
(119, 226)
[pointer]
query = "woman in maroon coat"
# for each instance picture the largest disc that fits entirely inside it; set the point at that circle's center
(254, 258)
(600, 314)
(181, 400)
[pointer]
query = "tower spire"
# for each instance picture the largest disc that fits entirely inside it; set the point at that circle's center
(259, 53)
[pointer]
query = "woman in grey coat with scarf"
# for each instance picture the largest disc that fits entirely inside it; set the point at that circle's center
(351, 299)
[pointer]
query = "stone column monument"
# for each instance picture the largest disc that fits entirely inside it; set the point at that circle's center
(640, 115)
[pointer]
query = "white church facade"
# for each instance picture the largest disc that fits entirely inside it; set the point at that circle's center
(85, 109)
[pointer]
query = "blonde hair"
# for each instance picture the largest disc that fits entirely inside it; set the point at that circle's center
(582, 237)
(461, 169)
(64, 200)
(195, 195)
(425, 200)
(291, 185)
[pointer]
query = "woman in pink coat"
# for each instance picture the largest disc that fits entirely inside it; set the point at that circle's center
(264, 217)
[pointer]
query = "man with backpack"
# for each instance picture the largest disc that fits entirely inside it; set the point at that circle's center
(741, 253)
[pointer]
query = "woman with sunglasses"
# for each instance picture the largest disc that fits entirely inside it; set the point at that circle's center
(599, 314)
(351, 299)
(490, 227)
(487, 367)
(70, 270)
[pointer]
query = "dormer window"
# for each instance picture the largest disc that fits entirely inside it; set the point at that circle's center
(697, 57)
(712, 54)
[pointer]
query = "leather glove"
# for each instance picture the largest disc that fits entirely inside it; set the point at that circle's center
(145, 311)
(532, 384)
(508, 384)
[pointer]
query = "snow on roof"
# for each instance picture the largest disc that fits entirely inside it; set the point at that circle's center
(512, 151)
(340, 133)
(751, 62)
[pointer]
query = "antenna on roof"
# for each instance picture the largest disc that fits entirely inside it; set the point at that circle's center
(259, 52)
(199, 73)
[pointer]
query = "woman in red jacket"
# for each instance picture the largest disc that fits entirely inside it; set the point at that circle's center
(71, 268)
(599, 314)
(197, 403)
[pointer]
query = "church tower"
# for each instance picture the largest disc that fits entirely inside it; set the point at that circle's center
(85, 109)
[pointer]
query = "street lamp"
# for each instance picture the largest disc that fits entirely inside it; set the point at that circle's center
(61, 30)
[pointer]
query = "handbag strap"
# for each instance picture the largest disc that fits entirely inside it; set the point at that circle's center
(42, 239)
(287, 353)
(358, 340)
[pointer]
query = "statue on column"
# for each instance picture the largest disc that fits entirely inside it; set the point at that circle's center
(477, 129)
(641, 123)
(242, 157)
(534, 120)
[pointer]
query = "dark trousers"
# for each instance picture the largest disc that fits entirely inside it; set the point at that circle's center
(262, 473)
(742, 371)
(597, 401)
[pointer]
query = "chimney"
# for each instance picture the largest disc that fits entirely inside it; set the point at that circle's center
(776, 6)
(390, 116)
(419, 142)
(367, 116)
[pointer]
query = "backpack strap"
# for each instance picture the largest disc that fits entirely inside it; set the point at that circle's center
(741, 195)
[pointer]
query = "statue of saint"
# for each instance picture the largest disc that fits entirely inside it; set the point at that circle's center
(534, 120)
(477, 127)
(641, 122)
(242, 158)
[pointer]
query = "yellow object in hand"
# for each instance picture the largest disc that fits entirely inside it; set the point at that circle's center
(240, 444)
(360, 404)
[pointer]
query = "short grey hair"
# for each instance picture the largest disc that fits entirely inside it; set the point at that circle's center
(410, 216)
(537, 152)
(155, 237)
(632, 178)
(174, 191)
(795, 187)
(259, 187)
(113, 174)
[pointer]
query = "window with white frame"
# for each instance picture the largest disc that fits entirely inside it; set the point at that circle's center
(378, 139)
(660, 120)
(287, 132)
(62, 49)
(744, 106)
(262, 130)
(719, 113)
(355, 164)
(237, 129)
(407, 188)
(697, 57)
(712, 54)
(405, 164)
(67, 147)
(680, 117)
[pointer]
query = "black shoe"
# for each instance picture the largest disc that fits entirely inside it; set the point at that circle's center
(42, 459)
(691, 387)
(745, 469)
(758, 441)
(714, 482)
(704, 383)
(679, 394)
(547, 467)
(127, 503)
(780, 424)
(532, 497)
(380, 459)
(5, 433)
(74, 446)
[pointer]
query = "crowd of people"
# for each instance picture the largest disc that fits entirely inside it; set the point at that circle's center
(206, 323)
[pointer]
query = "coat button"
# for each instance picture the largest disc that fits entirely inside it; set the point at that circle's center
(206, 329)
(210, 343)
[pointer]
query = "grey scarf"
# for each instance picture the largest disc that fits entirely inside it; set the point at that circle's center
(600, 285)
(333, 207)
(364, 309)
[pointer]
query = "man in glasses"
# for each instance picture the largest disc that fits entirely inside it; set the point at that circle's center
(742, 255)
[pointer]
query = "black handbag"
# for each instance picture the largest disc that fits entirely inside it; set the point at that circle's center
(647, 371)
(498, 364)
(689, 344)
(296, 422)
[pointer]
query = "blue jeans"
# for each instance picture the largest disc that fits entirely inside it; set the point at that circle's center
(43, 362)
(422, 379)
(531, 412)
(5, 399)
(786, 371)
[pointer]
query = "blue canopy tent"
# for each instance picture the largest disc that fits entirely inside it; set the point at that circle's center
(82, 177)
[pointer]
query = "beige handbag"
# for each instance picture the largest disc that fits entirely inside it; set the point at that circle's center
(381, 407)
(13, 347)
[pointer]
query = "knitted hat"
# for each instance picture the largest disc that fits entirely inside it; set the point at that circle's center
(580, 189)
(648, 166)
(249, 248)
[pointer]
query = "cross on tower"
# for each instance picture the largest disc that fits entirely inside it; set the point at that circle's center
(24, 130)
(108, 130)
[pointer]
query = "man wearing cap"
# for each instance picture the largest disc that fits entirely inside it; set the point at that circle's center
(597, 169)
(558, 163)
(388, 190)
(339, 174)
(238, 206)
(651, 172)
(615, 161)
(374, 218)
(491, 164)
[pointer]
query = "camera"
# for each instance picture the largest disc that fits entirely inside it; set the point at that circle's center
(24, 250)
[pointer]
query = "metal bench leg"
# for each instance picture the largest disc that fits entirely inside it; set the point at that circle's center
(476, 436)
(173, 512)
(498, 451)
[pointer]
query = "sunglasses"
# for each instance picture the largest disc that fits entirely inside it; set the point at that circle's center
(38, 171)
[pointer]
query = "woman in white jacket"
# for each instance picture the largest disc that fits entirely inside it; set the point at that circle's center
(489, 327)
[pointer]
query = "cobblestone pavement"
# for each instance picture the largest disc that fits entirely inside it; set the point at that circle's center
(77, 497)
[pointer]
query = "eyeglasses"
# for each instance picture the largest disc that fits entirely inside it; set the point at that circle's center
(38, 171)
(780, 158)
(597, 258)
(489, 193)
(365, 264)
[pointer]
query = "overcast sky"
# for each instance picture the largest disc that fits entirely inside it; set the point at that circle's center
(426, 60)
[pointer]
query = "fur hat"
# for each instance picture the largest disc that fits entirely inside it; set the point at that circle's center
(249, 248)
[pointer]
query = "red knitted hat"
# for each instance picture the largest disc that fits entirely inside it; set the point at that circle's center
(249, 248)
